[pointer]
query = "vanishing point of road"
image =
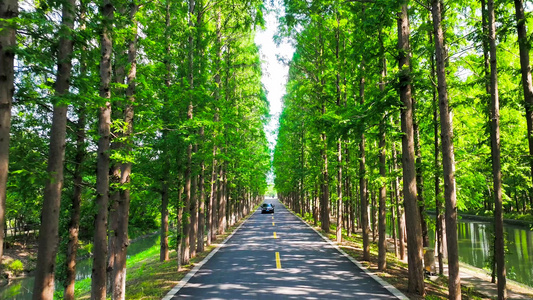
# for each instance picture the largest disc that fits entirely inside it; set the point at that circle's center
(277, 256)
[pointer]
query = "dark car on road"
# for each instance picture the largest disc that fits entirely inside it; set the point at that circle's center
(267, 208)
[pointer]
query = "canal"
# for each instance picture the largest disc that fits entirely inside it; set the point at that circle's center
(475, 238)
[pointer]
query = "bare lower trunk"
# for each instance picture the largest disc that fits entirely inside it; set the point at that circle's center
(382, 245)
(400, 216)
(98, 283)
(164, 247)
(8, 11)
(72, 246)
(448, 161)
(201, 207)
(414, 236)
(363, 183)
(212, 207)
(194, 208)
(221, 202)
(122, 241)
(48, 233)
(438, 204)
(499, 247)
(185, 246)
(527, 85)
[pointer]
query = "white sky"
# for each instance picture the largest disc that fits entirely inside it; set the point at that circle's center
(274, 72)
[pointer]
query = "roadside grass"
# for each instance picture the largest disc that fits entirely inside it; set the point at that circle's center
(148, 278)
(396, 272)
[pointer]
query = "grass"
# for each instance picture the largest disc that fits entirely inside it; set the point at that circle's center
(147, 277)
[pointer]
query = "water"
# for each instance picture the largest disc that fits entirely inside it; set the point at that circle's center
(21, 289)
(475, 247)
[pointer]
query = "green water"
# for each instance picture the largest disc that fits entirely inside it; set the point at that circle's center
(475, 238)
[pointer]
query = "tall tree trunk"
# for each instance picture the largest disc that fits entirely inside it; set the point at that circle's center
(363, 189)
(499, 246)
(339, 144)
(382, 244)
(8, 11)
(420, 180)
(448, 160)
(201, 205)
(221, 201)
(72, 246)
(185, 243)
(98, 283)
(189, 193)
(527, 86)
(211, 207)
(48, 233)
(400, 215)
(194, 205)
(122, 241)
(164, 247)
(414, 237)
(179, 225)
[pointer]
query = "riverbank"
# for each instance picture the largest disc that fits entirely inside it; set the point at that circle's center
(484, 218)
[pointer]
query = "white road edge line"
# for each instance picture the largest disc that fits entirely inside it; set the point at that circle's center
(197, 267)
(385, 284)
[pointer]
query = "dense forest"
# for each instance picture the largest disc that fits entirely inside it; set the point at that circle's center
(122, 117)
(397, 108)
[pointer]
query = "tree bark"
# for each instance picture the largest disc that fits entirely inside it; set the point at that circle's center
(8, 11)
(414, 237)
(98, 283)
(48, 233)
(525, 67)
(363, 189)
(72, 246)
(448, 160)
(122, 241)
(382, 243)
(400, 215)
(201, 205)
(164, 247)
(499, 246)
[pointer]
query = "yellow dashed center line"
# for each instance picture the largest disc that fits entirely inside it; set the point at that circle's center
(273, 224)
(278, 261)
(275, 236)
(272, 217)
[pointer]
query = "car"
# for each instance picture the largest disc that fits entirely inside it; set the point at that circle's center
(267, 208)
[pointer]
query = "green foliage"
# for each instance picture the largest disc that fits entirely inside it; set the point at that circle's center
(16, 267)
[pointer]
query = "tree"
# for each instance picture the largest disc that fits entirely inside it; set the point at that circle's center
(98, 283)
(495, 155)
(48, 233)
(8, 13)
(454, 282)
(414, 236)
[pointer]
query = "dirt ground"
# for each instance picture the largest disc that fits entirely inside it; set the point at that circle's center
(23, 249)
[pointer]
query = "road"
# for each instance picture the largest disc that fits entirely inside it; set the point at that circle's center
(277, 256)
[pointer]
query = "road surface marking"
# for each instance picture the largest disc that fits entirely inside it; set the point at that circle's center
(275, 235)
(273, 224)
(272, 217)
(278, 262)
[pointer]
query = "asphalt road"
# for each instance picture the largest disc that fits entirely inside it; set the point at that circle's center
(277, 256)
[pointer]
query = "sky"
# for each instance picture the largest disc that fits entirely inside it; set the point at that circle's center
(274, 72)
